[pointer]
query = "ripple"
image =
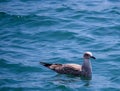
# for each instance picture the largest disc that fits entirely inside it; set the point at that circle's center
(58, 31)
(113, 89)
(18, 88)
(28, 20)
(56, 35)
(115, 79)
(19, 68)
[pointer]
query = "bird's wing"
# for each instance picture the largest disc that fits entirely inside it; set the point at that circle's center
(74, 66)
(73, 69)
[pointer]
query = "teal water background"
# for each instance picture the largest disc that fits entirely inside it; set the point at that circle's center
(58, 31)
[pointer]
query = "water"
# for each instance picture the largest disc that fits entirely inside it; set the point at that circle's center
(58, 31)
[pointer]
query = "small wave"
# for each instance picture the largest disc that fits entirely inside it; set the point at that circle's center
(110, 89)
(115, 79)
(115, 27)
(2, 1)
(56, 35)
(5, 81)
(63, 8)
(28, 20)
(3, 14)
(17, 67)
(8, 88)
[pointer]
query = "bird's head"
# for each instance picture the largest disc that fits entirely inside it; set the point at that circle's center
(88, 55)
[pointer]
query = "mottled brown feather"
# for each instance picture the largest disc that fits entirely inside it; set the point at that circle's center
(74, 69)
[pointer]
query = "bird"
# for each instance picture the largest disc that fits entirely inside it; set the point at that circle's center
(84, 70)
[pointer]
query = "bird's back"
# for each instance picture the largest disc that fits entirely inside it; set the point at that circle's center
(73, 69)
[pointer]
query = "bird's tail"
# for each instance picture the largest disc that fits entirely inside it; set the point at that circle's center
(45, 64)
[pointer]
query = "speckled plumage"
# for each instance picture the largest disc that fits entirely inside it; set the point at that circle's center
(74, 69)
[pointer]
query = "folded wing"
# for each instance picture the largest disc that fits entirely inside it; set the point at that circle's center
(73, 69)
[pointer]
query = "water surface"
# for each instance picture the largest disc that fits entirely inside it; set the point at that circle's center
(58, 31)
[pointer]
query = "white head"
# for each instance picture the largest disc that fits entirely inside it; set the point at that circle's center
(88, 55)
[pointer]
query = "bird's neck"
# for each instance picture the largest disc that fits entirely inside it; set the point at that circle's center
(87, 68)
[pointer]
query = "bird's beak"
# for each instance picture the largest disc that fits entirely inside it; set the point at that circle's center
(93, 57)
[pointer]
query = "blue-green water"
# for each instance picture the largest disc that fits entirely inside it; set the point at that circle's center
(58, 31)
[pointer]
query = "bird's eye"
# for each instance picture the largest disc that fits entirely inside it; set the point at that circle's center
(86, 54)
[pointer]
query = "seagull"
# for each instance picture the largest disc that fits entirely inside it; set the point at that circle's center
(84, 70)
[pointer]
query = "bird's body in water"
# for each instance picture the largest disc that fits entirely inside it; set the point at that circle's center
(84, 70)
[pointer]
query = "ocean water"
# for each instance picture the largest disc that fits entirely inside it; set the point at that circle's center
(58, 31)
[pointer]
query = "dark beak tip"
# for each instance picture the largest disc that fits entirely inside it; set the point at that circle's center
(93, 57)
